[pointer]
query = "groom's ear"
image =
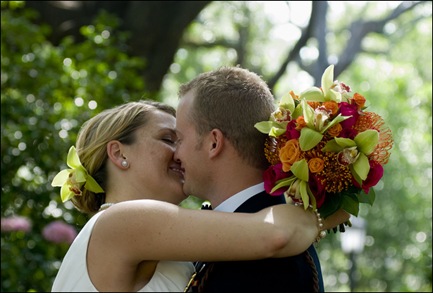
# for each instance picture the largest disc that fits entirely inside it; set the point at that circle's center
(216, 142)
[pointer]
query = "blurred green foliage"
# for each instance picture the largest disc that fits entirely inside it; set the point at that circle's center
(48, 91)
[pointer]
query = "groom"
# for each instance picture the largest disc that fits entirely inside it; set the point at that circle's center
(222, 155)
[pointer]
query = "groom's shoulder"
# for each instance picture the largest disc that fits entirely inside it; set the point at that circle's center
(260, 201)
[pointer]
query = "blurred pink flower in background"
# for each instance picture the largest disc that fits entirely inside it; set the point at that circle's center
(59, 232)
(15, 223)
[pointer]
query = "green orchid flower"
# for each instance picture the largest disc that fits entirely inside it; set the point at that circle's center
(71, 180)
(328, 84)
(271, 128)
(287, 102)
(317, 123)
(298, 184)
(355, 152)
(315, 94)
(277, 123)
(329, 90)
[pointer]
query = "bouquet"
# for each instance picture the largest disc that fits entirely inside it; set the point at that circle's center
(325, 149)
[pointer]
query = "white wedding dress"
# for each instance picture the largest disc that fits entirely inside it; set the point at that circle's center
(169, 276)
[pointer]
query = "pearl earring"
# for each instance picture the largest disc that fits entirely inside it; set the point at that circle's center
(125, 164)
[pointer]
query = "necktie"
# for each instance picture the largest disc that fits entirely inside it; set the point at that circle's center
(197, 279)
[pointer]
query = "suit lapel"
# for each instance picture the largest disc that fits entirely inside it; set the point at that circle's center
(258, 202)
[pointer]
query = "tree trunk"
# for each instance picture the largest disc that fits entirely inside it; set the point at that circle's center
(156, 27)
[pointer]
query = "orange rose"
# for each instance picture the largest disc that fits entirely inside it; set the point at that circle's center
(300, 123)
(331, 106)
(335, 130)
(359, 100)
(316, 165)
(289, 154)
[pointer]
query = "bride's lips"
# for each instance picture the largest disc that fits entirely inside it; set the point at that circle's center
(176, 168)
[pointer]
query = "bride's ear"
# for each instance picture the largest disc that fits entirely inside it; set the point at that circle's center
(115, 154)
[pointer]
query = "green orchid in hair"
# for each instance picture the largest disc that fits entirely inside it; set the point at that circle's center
(72, 180)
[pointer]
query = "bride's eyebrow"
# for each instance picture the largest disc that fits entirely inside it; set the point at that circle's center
(169, 130)
(178, 133)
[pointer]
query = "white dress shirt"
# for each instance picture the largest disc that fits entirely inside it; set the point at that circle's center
(235, 201)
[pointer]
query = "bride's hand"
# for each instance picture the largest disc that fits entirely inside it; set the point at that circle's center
(337, 218)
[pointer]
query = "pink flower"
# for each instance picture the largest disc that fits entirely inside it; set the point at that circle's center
(15, 223)
(291, 131)
(271, 176)
(373, 177)
(318, 189)
(59, 232)
(347, 109)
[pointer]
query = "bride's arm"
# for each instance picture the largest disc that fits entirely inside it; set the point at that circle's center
(154, 230)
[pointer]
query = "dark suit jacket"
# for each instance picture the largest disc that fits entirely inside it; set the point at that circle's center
(291, 274)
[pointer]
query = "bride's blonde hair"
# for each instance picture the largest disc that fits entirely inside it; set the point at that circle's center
(118, 123)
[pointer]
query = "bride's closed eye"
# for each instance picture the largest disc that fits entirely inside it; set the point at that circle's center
(171, 140)
(168, 140)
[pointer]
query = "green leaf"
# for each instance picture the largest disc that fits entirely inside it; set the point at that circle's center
(367, 141)
(349, 202)
(283, 182)
(361, 166)
(367, 198)
(309, 138)
(331, 205)
(300, 169)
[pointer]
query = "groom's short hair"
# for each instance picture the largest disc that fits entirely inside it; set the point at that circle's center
(233, 100)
